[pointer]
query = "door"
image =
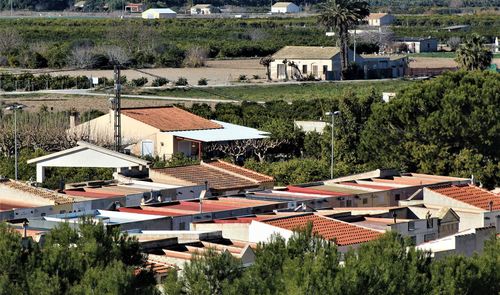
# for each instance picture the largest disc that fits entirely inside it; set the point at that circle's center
(315, 70)
(281, 71)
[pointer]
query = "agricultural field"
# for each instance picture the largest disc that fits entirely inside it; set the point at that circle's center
(52, 42)
(287, 92)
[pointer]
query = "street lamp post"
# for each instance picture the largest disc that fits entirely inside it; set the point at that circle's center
(14, 109)
(332, 114)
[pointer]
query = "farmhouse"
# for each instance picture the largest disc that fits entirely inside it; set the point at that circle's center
(285, 7)
(203, 9)
(324, 63)
(134, 7)
(417, 45)
(379, 19)
(159, 13)
(163, 131)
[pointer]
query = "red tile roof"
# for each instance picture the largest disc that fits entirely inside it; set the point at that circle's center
(220, 175)
(341, 232)
(469, 194)
(259, 177)
(170, 118)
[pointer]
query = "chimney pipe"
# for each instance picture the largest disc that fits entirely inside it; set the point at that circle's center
(73, 119)
(25, 229)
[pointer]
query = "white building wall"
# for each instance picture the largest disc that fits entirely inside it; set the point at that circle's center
(262, 232)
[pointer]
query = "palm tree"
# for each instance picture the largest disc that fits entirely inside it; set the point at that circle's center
(340, 15)
(472, 55)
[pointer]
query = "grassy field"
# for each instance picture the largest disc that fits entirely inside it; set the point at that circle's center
(289, 92)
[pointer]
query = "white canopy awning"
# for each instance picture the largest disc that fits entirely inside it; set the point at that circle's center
(229, 132)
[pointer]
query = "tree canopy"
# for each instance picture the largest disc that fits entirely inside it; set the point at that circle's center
(91, 259)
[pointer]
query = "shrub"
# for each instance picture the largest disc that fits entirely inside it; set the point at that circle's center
(159, 82)
(139, 82)
(256, 77)
(242, 78)
(196, 57)
(181, 82)
(203, 81)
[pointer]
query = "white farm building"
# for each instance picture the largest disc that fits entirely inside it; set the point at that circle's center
(285, 7)
(159, 13)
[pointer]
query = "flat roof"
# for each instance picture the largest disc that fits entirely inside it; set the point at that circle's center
(228, 132)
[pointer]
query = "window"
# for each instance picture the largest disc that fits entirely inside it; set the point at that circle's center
(325, 69)
(365, 201)
(304, 69)
(315, 70)
(182, 226)
(430, 223)
(411, 225)
(397, 197)
(349, 203)
(429, 237)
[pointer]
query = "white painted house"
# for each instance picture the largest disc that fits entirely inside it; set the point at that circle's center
(379, 19)
(154, 13)
(285, 7)
(324, 63)
(204, 9)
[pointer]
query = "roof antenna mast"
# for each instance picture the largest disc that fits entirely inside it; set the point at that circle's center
(117, 110)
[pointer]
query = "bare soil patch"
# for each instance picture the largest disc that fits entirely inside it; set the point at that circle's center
(79, 103)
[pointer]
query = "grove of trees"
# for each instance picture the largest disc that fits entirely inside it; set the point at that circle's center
(96, 43)
(89, 259)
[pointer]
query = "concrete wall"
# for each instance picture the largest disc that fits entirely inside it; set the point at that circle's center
(262, 232)
(473, 243)
(311, 126)
(232, 231)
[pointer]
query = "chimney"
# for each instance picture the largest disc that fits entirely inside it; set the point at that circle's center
(25, 229)
(490, 204)
(74, 119)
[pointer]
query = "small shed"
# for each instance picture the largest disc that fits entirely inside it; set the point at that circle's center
(153, 13)
(86, 155)
(285, 7)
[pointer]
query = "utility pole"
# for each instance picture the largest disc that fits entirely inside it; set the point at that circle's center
(117, 111)
(14, 109)
(333, 114)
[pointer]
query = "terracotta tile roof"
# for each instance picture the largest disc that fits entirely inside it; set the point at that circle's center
(469, 194)
(259, 177)
(49, 195)
(341, 232)
(170, 118)
(220, 175)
